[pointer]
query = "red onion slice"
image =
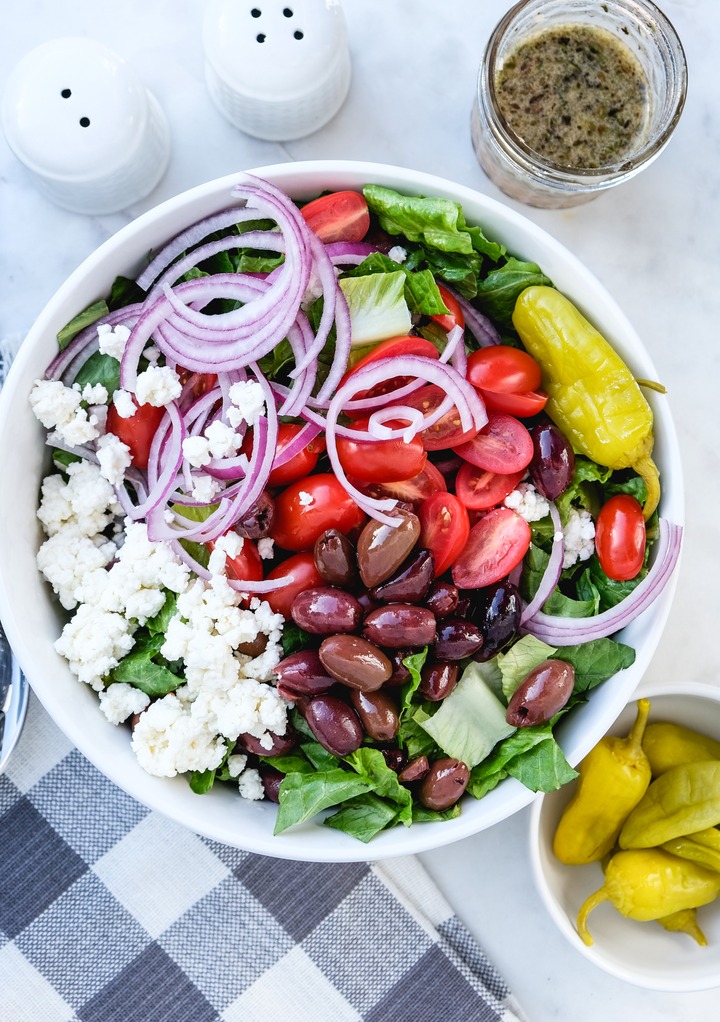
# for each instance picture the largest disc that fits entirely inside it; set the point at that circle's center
(552, 571)
(482, 329)
(567, 631)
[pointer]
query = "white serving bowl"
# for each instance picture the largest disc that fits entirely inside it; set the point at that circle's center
(640, 953)
(32, 619)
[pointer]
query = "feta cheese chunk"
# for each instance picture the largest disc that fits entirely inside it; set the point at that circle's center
(112, 340)
(124, 404)
(120, 701)
(249, 403)
(59, 408)
(94, 642)
(114, 457)
(579, 534)
(158, 386)
(527, 502)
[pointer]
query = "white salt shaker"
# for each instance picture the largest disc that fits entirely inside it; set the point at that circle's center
(92, 137)
(277, 69)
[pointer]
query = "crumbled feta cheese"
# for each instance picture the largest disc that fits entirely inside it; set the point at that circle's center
(168, 740)
(95, 395)
(305, 498)
(579, 534)
(398, 254)
(112, 340)
(114, 457)
(67, 557)
(236, 764)
(205, 488)
(158, 385)
(249, 403)
(120, 701)
(528, 503)
(250, 784)
(151, 353)
(94, 642)
(86, 500)
(266, 548)
(196, 451)
(124, 404)
(59, 408)
(222, 439)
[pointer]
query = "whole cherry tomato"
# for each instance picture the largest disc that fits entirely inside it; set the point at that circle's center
(381, 461)
(620, 537)
(302, 463)
(309, 506)
(304, 576)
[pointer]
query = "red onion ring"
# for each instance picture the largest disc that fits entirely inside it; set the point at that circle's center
(552, 571)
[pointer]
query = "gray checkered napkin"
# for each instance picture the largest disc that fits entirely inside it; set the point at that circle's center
(111, 913)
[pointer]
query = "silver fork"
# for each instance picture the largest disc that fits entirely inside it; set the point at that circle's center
(14, 694)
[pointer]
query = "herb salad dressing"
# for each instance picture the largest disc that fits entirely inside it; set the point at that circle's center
(575, 94)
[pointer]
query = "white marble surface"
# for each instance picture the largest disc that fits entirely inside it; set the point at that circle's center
(654, 243)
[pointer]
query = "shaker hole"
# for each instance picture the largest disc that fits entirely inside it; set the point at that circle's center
(287, 12)
(84, 122)
(66, 93)
(260, 38)
(299, 34)
(255, 12)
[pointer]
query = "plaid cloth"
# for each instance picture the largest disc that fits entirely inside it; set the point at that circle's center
(110, 912)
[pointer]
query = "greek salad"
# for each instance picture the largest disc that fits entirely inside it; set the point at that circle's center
(319, 517)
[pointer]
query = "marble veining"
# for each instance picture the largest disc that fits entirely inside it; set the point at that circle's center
(654, 243)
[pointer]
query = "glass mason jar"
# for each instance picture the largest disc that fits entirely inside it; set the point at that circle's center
(529, 176)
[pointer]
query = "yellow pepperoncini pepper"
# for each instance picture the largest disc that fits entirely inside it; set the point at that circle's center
(646, 884)
(684, 921)
(613, 778)
(693, 851)
(667, 745)
(593, 397)
(683, 800)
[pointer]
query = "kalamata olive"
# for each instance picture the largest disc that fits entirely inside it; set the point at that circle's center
(326, 610)
(542, 694)
(377, 712)
(457, 639)
(415, 770)
(553, 460)
(443, 784)
(395, 758)
(381, 548)
(496, 611)
(271, 781)
(335, 724)
(302, 673)
(410, 583)
(442, 599)
(464, 607)
(439, 678)
(400, 624)
(281, 744)
(400, 674)
(257, 522)
(254, 647)
(334, 557)
(366, 601)
(355, 662)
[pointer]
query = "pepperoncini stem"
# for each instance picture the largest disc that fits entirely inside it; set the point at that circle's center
(638, 729)
(684, 921)
(648, 472)
(585, 909)
(659, 388)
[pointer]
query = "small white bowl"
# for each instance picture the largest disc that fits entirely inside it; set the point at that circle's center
(640, 953)
(33, 623)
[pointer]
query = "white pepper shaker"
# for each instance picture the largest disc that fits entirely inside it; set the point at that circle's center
(277, 69)
(92, 137)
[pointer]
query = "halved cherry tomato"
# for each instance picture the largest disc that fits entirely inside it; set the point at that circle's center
(454, 317)
(480, 490)
(444, 529)
(524, 405)
(339, 216)
(503, 445)
(137, 431)
(201, 383)
(391, 348)
(411, 491)
(503, 370)
(381, 461)
(496, 545)
(309, 506)
(447, 431)
(301, 464)
(620, 537)
(305, 576)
